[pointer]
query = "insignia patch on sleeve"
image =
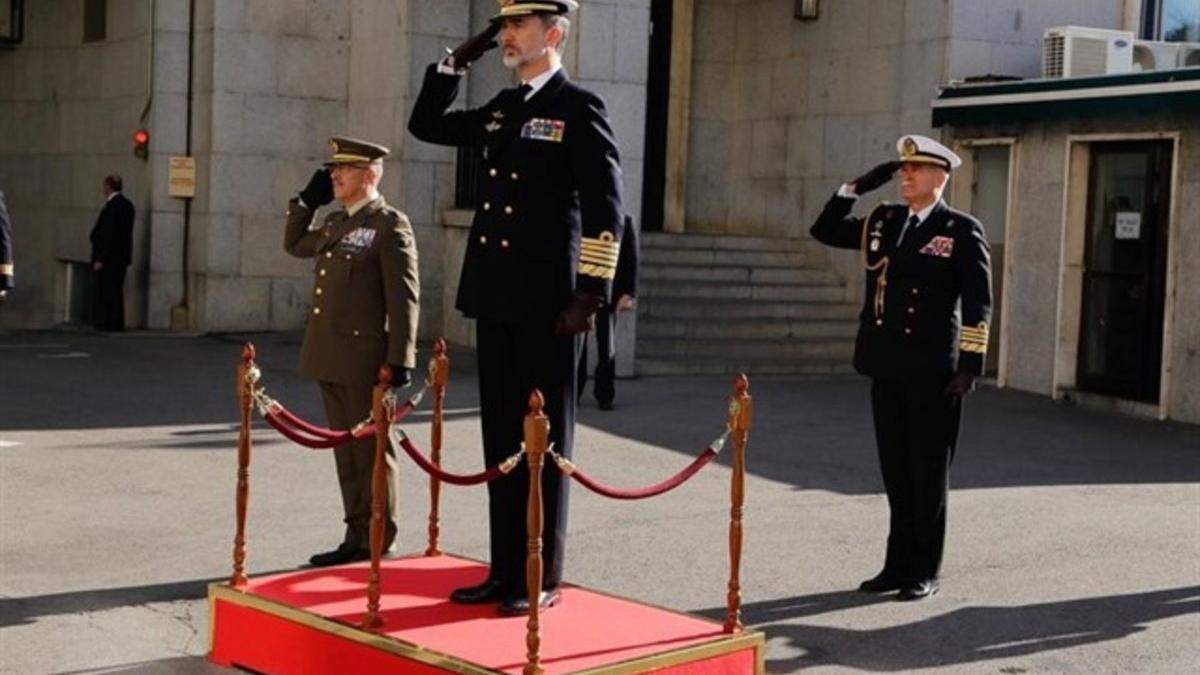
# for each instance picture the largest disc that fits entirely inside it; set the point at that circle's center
(942, 247)
(542, 129)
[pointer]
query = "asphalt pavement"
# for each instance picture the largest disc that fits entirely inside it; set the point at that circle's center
(1073, 546)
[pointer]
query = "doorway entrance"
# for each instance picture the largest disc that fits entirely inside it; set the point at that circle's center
(658, 90)
(1124, 269)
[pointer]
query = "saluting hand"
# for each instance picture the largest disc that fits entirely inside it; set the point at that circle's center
(474, 47)
(875, 177)
(319, 190)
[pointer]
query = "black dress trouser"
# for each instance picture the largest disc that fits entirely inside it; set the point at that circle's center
(109, 306)
(606, 358)
(514, 359)
(916, 430)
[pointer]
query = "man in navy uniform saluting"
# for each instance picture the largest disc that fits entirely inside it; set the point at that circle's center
(540, 260)
(365, 308)
(922, 338)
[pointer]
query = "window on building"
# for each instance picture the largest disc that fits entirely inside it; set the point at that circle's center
(95, 20)
(1171, 20)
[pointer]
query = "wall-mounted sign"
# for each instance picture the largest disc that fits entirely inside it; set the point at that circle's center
(1129, 225)
(12, 21)
(181, 178)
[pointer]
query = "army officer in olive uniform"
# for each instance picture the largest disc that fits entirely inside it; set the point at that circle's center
(365, 304)
(922, 339)
(540, 260)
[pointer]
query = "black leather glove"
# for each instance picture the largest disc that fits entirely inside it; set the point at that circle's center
(960, 385)
(875, 177)
(579, 314)
(401, 376)
(474, 47)
(319, 190)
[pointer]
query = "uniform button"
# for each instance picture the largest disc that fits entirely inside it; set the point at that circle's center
(483, 239)
(319, 291)
(908, 331)
(503, 243)
(915, 291)
(878, 322)
(316, 310)
(514, 175)
(347, 256)
(492, 172)
(321, 272)
(329, 254)
(912, 310)
(355, 333)
(487, 206)
(508, 210)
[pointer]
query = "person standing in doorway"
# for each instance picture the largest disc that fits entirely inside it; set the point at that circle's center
(540, 261)
(112, 252)
(922, 339)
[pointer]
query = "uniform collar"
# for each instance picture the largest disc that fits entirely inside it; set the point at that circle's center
(357, 206)
(536, 84)
(923, 214)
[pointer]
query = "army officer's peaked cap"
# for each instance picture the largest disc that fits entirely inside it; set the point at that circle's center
(917, 149)
(354, 151)
(521, 8)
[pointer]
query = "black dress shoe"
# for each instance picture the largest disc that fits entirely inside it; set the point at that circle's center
(881, 583)
(918, 590)
(488, 591)
(346, 553)
(605, 405)
(520, 606)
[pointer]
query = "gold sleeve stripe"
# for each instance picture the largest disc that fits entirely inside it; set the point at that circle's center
(598, 257)
(600, 247)
(973, 348)
(6, 269)
(599, 271)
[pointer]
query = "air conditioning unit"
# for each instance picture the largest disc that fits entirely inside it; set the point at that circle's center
(1151, 55)
(1076, 51)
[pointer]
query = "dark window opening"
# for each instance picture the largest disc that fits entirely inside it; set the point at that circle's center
(95, 20)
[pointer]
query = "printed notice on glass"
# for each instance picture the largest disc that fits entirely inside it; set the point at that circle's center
(181, 177)
(1129, 225)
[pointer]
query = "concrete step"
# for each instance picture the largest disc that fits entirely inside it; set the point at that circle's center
(672, 367)
(723, 242)
(741, 274)
(717, 328)
(748, 292)
(761, 350)
(717, 258)
(673, 308)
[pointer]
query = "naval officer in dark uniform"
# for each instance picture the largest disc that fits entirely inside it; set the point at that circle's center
(365, 305)
(922, 338)
(540, 260)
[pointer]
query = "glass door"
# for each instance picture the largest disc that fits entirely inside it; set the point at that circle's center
(1124, 277)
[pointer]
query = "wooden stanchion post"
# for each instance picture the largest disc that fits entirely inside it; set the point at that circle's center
(245, 393)
(741, 410)
(441, 376)
(379, 495)
(537, 440)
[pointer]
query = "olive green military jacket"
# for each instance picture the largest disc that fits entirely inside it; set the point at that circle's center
(366, 291)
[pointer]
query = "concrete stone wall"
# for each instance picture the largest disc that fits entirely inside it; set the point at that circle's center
(67, 114)
(1039, 296)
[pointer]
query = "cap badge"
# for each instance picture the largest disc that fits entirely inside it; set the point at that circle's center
(910, 147)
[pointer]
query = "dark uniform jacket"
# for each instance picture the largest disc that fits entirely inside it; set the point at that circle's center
(112, 236)
(625, 282)
(366, 292)
(549, 215)
(6, 252)
(930, 316)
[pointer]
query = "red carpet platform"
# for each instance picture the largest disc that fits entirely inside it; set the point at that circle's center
(307, 622)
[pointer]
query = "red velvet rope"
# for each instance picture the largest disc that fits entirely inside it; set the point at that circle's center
(312, 429)
(307, 441)
(650, 491)
(323, 437)
(454, 479)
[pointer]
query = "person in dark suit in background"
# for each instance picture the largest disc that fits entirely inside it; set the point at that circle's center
(365, 308)
(624, 293)
(922, 338)
(540, 261)
(6, 251)
(112, 251)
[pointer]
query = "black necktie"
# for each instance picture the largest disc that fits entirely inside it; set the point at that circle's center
(910, 224)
